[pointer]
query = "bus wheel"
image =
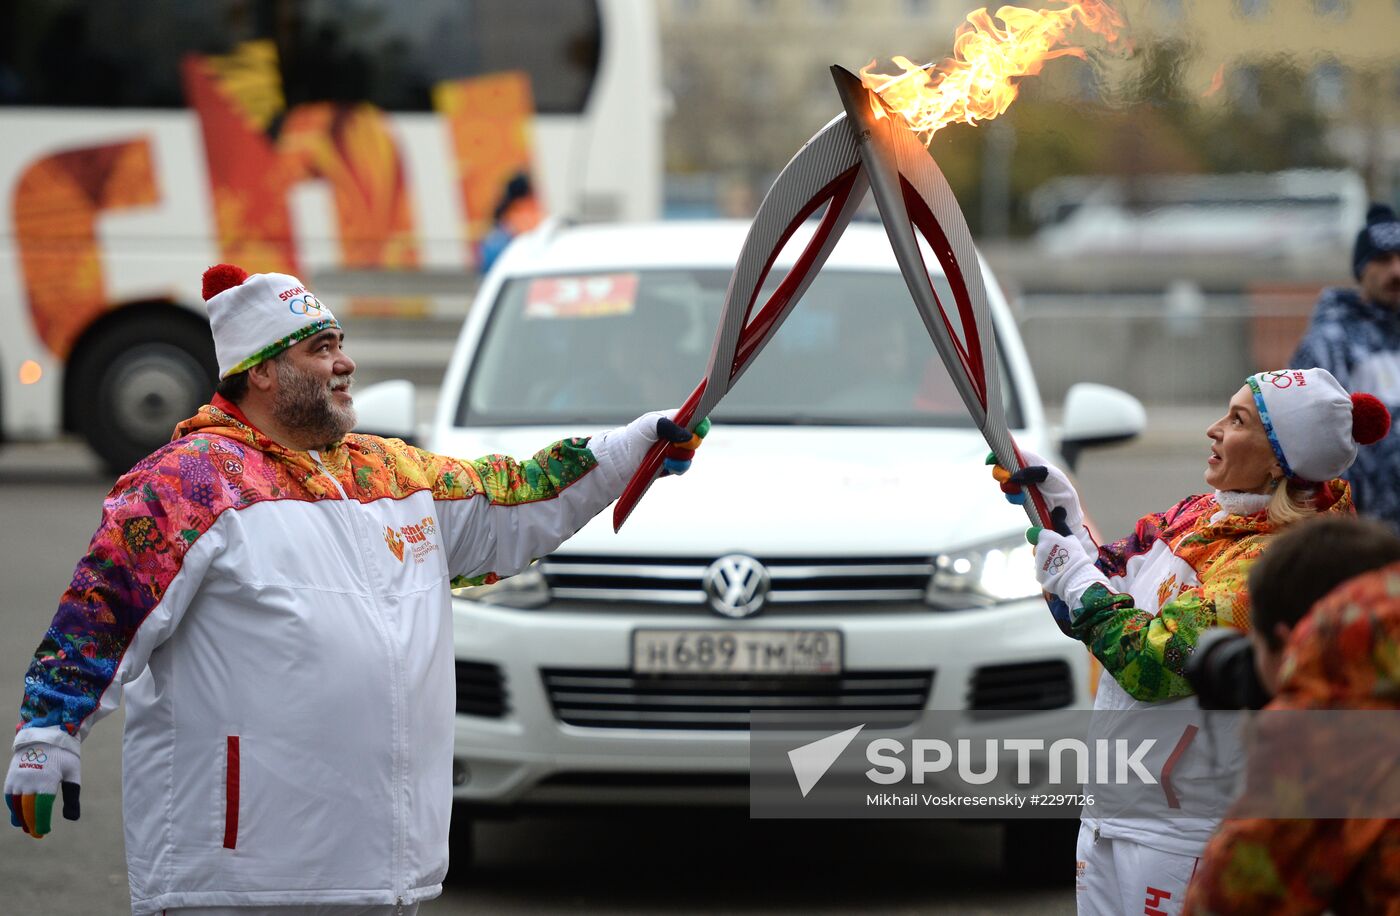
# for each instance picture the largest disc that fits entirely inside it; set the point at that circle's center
(136, 380)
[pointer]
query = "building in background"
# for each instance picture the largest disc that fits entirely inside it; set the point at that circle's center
(1223, 114)
(1232, 85)
(1342, 52)
(749, 82)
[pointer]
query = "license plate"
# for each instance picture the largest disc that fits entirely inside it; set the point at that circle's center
(736, 651)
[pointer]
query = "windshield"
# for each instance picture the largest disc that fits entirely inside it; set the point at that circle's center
(604, 348)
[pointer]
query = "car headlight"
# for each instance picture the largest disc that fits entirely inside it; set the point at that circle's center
(524, 590)
(984, 575)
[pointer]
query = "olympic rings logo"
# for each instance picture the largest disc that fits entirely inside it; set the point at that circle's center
(34, 755)
(305, 305)
(1284, 379)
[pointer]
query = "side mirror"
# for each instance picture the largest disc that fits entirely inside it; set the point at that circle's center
(387, 409)
(1098, 415)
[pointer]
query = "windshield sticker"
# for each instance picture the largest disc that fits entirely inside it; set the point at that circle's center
(591, 296)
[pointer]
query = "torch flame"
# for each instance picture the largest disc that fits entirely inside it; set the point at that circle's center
(978, 82)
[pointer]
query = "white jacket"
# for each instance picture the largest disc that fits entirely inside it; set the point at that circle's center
(1179, 573)
(281, 622)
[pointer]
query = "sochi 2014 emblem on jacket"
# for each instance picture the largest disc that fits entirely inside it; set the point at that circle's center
(416, 538)
(395, 542)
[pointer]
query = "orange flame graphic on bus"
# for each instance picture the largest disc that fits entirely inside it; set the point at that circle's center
(979, 81)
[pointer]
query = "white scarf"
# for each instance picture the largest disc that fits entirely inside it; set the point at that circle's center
(1237, 502)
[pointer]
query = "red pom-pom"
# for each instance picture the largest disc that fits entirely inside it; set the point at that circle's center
(1370, 421)
(221, 277)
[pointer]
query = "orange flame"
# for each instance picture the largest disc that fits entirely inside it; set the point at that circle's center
(978, 82)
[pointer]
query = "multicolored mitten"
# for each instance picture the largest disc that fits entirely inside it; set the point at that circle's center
(1066, 515)
(628, 445)
(681, 452)
(1057, 525)
(38, 773)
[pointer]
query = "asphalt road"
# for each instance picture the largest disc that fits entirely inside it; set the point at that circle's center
(680, 862)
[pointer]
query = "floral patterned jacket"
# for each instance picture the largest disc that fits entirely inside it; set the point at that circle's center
(1180, 572)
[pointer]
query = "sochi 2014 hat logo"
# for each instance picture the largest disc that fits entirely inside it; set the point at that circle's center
(1283, 380)
(301, 301)
(307, 305)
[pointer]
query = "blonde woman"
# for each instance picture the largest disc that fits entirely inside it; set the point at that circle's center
(1140, 603)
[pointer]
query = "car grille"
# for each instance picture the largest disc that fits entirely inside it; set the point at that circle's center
(1027, 685)
(597, 698)
(802, 584)
(481, 690)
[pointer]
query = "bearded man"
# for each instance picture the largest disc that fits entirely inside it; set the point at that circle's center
(272, 594)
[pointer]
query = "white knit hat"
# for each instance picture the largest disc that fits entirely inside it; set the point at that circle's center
(1313, 424)
(256, 317)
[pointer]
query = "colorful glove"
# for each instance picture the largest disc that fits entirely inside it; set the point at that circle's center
(683, 444)
(37, 773)
(634, 439)
(1066, 515)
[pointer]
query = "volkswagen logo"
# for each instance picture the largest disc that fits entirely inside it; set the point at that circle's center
(737, 585)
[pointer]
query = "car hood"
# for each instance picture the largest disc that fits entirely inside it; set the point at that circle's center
(797, 491)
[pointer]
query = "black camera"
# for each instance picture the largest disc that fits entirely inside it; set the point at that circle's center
(1222, 671)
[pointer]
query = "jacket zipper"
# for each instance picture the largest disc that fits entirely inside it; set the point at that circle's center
(395, 694)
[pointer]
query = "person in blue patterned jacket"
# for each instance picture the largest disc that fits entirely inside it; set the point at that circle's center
(1355, 335)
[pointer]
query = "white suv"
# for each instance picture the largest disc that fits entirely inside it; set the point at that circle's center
(838, 544)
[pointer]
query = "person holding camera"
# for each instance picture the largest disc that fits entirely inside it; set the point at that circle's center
(1325, 608)
(1141, 603)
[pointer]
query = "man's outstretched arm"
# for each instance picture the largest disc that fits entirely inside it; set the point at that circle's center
(499, 514)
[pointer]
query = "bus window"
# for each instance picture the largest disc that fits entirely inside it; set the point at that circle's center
(394, 54)
(388, 54)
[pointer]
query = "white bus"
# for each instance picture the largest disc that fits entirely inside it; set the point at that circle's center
(143, 140)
